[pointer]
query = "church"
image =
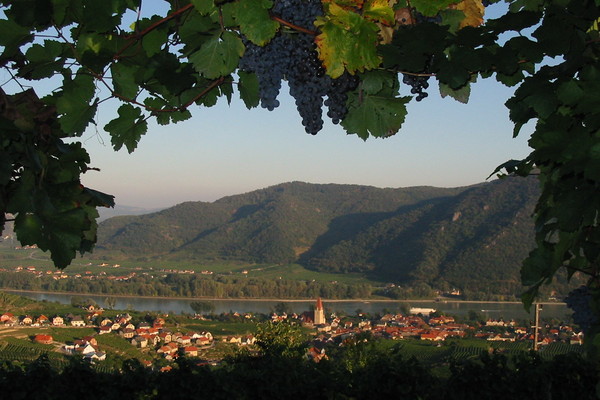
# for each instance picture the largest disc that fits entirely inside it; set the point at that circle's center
(316, 317)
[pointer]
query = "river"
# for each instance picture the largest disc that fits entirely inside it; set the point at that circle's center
(493, 310)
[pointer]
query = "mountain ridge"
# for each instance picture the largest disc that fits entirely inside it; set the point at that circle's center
(416, 234)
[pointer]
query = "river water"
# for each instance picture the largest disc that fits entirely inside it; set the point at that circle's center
(493, 310)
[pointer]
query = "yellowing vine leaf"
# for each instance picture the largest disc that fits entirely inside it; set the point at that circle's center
(347, 41)
(357, 4)
(473, 10)
(379, 11)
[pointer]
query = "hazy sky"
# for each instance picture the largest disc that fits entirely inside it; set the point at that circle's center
(227, 150)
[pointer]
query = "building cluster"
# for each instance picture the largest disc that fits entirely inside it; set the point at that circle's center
(169, 344)
(423, 326)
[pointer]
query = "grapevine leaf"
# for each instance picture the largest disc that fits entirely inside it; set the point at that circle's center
(74, 104)
(204, 6)
(347, 40)
(379, 82)
(379, 11)
(452, 18)
(473, 11)
(453, 75)
(127, 128)
(374, 115)
(166, 117)
(248, 87)
(255, 22)
(570, 92)
(461, 94)
(13, 34)
(124, 79)
(430, 8)
(218, 56)
(28, 227)
(44, 60)
(153, 41)
(6, 168)
(331, 44)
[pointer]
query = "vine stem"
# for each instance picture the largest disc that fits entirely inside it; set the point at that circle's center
(133, 38)
(295, 27)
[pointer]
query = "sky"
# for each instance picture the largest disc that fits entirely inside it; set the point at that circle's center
(227, 149)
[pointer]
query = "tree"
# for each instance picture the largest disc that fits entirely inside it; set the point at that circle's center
(110, 302)
(353, 52)
(280, 339)
(201, 307)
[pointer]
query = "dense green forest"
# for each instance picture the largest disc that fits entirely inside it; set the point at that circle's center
(178, 285)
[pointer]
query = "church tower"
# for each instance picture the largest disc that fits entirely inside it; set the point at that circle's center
(319, 316)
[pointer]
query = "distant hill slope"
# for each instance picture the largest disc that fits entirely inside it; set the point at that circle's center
(436, 235)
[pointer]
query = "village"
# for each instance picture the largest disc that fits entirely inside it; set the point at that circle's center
(166, 342)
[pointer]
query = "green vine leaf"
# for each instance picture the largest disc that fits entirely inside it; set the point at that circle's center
(248, 88)
(128, 128)
(74, 105)
(430, 8)
(462, 95)
(219, 56)
(255, 22)
(374, 115)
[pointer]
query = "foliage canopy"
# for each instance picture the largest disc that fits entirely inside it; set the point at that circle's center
(164, 65)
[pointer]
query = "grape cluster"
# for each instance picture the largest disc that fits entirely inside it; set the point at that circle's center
(420, 18)
(579, 300)
(418, 84)
(292, 56)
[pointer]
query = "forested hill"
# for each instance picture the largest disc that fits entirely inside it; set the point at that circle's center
(421, 233)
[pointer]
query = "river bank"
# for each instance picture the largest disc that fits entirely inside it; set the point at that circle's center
(182, 305)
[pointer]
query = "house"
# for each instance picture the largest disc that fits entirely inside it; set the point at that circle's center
(139, 341)
(91, 340)
(45, 339)
(8, 318)
(316, 354)
(58, 321)
(165, 337)
(233, 339)
(190, 351)
(168, 349)
(152, 339)
(96, 356)
(127, 333)
(184, 340)
(248, 340)
(104, 329)
(77, 321)
(433, 336)
(85, 349)
(27, 320)
(41, 320)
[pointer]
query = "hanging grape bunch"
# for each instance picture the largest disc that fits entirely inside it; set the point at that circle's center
(292, 56)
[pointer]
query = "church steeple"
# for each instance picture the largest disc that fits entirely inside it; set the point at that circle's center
(319, 315)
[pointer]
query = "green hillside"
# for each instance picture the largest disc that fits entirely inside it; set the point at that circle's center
(472, 238)
(276, 224)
